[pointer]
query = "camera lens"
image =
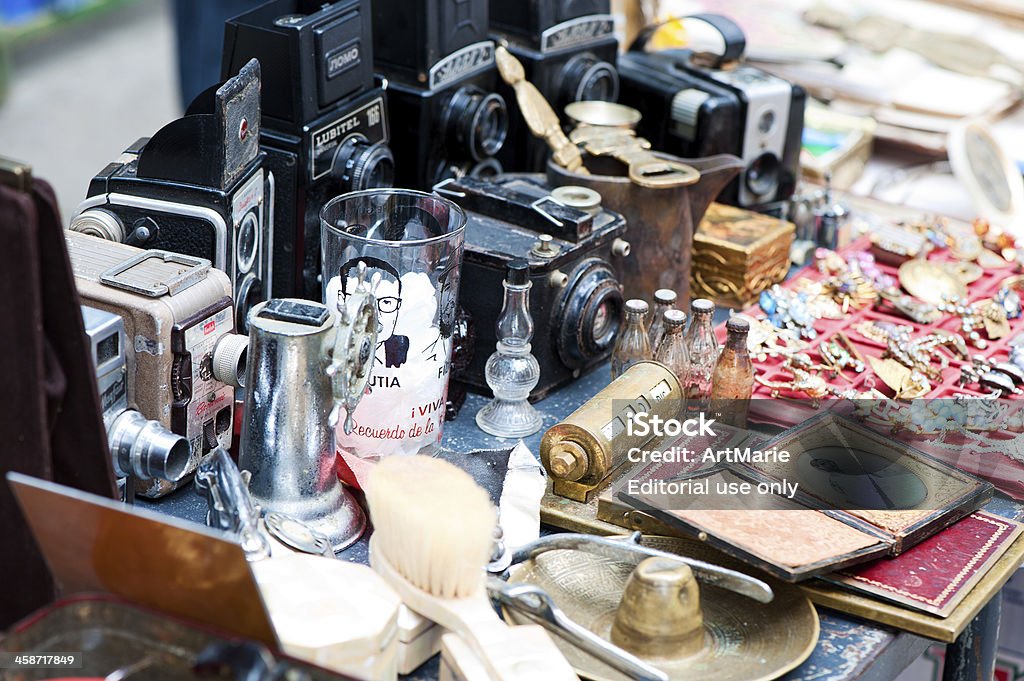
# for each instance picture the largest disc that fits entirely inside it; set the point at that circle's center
(603, 319)
(250, 292)
(361, 165)
(478, 121)
(229, 359)
(99, 223)
(489, 167)
(146, 449)
(588, 314)
(762, 175)
(448, 170)
(587, 78)
(247, 245)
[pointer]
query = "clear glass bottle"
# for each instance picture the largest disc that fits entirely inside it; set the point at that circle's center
(512, 372)
(672, 352)
(702, 347)
(733, 379)
(632, 345)
(664, 299)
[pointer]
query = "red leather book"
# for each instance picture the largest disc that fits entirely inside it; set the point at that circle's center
(935, 575)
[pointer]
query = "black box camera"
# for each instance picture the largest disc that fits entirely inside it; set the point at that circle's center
(574, 247)
(447, 119)
(568, 50)
(325, 125)
(696, 105)
(199, 187)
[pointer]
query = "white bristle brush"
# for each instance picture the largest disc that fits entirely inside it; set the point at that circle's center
(433, 534)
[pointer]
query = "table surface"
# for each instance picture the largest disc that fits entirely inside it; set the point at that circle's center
(847, 648)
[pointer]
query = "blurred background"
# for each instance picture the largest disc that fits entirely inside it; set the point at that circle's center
(82, 83)
(82, 79)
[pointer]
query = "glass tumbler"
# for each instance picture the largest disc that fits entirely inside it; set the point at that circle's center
(411, 243)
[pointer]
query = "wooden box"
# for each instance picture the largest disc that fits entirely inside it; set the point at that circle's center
(737, 254)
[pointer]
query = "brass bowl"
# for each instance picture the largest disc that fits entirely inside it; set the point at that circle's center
(743, 640)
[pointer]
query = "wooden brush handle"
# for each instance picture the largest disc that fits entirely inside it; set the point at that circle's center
(510, 653)
(527, 653)
(522, 653)
(459, 662)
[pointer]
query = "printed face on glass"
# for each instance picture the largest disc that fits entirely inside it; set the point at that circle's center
(383, 278)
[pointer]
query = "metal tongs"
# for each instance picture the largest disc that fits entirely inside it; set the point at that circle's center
(537, 605)
(627, 549)
(229, 505)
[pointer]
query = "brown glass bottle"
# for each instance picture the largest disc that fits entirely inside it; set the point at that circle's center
(632, 345)
(733, 380)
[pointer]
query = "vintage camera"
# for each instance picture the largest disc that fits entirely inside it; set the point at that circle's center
(568, 50)
(324, 128)
(697, 105)
(198, 187)
(447, 120)
(573, 246)
(183, 360)
(139, 447)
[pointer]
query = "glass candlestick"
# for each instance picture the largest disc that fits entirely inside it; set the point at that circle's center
(512, 372)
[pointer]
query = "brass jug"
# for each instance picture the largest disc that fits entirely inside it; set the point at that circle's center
(661, 220)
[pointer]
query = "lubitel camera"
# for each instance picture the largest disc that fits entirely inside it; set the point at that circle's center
(698, 105)
(325, 126)
(197, 187)
(182, 358)
(568, 50)
(447, 120)
(573, 246)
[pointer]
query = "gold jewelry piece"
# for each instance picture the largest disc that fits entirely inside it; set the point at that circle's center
(820, 302)
(804, 379)
(910, 307)
(930, 282)
(895, 243)
(967, 272)
(906, 383)
(916, 354)
(766, 340)
(1014, 282)
(839, 353)
(991, 261)
(987, 314)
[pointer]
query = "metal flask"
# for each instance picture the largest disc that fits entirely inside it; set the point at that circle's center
(296, 349)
